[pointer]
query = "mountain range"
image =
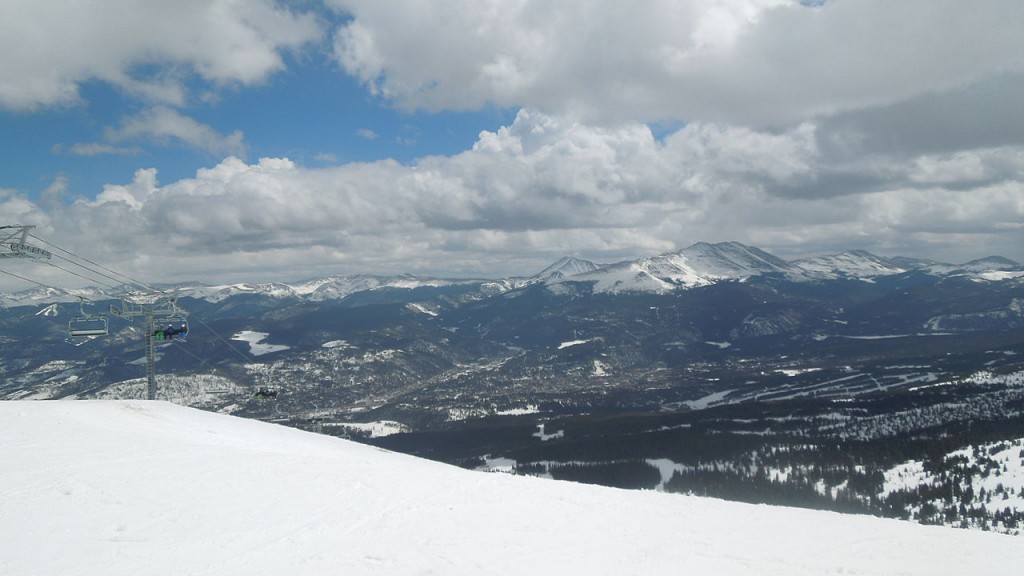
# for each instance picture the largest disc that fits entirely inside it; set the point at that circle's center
(829, 371)
(700, 264)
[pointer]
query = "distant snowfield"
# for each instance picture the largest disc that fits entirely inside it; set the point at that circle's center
(374, 429)
(134, 487)
(709, 400)
(571, 343)
(256, 345)
(336, 344)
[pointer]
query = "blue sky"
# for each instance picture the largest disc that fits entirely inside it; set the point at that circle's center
(312, 113)
(229, 141)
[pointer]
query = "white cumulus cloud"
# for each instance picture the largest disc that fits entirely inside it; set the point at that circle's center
(149, 48)
(762, 62)
(524, 195)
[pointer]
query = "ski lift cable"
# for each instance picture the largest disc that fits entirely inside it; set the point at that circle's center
(121, 280)
(190, 353)
(90, 270)
(31, 280)
(204, 362)
(72, 272)
(84, 267)
(221, 338)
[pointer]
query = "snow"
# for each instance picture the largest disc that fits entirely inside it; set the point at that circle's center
(374, 429)
(422, 309)
(1004, 483)
(336, 344)
(570, 343)
(256, 345)
(709, 400)
(528, 409)
(566, 267)
(796, 371)
(506, 465)
(852, 264)
(701, 264)
(1000, 275)
(134, 487)
(544, 437)
(330, 287)
(891, 336)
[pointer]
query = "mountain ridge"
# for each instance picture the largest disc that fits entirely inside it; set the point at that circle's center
(699, 264)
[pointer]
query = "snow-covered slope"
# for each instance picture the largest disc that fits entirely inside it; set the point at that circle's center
(327, 288)
(567, 266)
(991, 269)
(110, 488)
(698, 265)
(852, 264)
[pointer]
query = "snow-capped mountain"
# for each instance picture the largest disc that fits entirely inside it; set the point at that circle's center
(111, 488)
(990, 268)
(565, 267)
(50, 294)
(320, 289)
(852, 264)
(701, 264)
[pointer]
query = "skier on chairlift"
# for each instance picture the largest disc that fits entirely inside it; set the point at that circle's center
(170, 332)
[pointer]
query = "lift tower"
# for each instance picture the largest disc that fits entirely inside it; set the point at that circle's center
(14, 243)
(151, 308)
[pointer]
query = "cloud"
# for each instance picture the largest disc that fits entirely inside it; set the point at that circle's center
(888, 126)
(165, 125)
(148, 48)
(97, 149)
(750, 62)
(527, 193)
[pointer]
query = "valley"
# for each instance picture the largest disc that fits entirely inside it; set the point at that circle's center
(721, 371)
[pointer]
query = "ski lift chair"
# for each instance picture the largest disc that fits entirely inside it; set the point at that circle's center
(88, 324)
(176, 321)
(264, 393)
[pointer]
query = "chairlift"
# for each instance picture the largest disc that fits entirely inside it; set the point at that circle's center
(171, 325)
(266, 393)
(88, 324)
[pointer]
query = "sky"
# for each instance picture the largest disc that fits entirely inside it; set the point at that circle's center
(112, 488)
(255, 141)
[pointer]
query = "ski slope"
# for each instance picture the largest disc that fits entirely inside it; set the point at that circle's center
(133, 487)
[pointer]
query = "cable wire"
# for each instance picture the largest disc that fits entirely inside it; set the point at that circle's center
(31, 280)
(222, 339)
(100, 266)
(72, 272)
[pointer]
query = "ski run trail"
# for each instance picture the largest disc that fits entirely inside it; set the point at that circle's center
(134, 488)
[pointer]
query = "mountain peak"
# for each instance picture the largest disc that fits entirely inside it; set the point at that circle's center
(732, 259)
(698, 265)
(849, 264)
(991, 264)
(565, 267)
